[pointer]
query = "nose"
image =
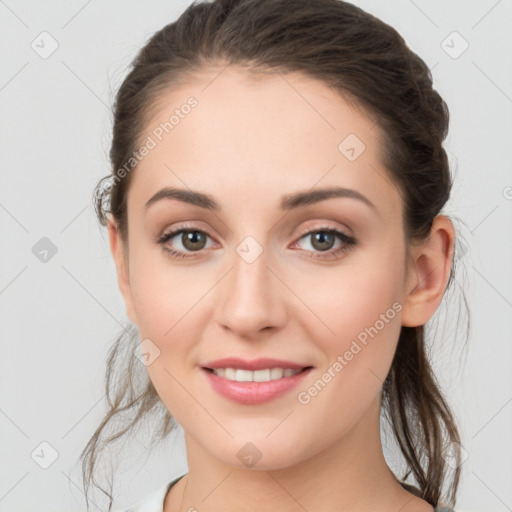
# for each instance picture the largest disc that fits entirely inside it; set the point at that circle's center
(251, 297)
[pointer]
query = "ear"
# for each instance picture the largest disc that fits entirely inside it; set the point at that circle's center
(120, 255)
(428, 273)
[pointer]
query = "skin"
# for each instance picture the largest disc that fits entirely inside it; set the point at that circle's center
(248, 142)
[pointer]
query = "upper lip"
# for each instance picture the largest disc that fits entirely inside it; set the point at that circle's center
(254, 364)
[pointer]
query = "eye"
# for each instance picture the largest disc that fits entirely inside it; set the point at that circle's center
(322, 241)
(191, 240)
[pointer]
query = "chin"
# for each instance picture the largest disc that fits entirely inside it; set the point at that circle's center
(261, 454)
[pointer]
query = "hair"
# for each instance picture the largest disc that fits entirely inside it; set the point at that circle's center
(363, 59)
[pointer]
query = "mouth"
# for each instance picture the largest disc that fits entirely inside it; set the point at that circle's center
(254, 382)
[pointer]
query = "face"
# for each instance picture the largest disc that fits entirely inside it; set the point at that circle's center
(320, 283)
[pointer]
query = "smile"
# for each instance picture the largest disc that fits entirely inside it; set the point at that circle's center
(265, 375)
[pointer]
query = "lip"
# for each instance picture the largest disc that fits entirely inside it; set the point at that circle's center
(255, 364)
(253, 393)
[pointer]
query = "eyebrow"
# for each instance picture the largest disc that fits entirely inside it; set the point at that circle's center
(288, 202)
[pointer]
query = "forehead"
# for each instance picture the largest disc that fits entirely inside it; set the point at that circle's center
(228, 132)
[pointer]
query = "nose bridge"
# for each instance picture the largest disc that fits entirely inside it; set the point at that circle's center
(250, 298)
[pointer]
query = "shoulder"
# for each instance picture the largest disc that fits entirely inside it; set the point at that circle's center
(153, 502)
(414, 490)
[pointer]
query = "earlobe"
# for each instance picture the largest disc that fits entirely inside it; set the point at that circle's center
(120, 259)
(428, 273)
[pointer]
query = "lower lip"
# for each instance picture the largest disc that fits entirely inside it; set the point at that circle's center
(251, 393)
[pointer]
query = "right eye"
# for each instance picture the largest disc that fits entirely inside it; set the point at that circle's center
(191, 240)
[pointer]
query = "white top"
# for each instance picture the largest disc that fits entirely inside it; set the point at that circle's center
(154, 502)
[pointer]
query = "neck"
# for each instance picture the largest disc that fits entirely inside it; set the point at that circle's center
(350, 475)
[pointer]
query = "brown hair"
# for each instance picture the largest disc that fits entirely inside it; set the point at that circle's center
(363, 59)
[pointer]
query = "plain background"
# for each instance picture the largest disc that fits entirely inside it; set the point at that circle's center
(59, 317)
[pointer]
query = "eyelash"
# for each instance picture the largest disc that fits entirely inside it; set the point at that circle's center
(321, 255)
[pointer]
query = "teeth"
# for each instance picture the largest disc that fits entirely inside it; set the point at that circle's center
(257, 376)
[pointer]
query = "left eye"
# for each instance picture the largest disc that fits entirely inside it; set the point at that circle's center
(323, 239)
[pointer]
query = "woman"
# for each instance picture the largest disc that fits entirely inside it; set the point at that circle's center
(274, 216)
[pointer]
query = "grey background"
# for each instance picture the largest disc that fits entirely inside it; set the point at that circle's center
(59, 317)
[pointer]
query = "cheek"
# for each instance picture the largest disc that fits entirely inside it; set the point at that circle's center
(165, 295)
(360, 312)
(350, 300)
(357, 358)
(167, 301)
